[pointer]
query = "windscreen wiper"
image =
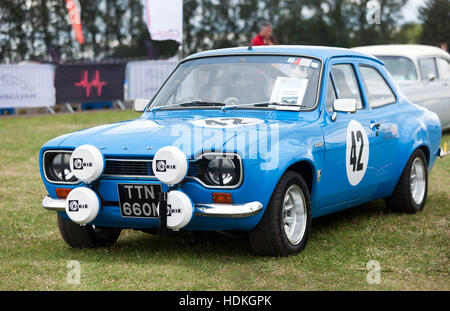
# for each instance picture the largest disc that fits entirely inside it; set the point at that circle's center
(188, 104)
(262, 104)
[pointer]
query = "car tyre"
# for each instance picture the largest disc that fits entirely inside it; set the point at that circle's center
(410, 193)
(86, 236)
(273, 235)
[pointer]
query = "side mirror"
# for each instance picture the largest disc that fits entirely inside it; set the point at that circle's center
(343, 105)
(140, 104)
(431, 77)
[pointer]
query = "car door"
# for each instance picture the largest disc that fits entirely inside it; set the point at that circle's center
(443, 81)
(429, 94)
(351, 149)
(381, 100)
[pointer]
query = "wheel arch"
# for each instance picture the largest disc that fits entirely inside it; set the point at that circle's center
(306, 169)
(426, 151)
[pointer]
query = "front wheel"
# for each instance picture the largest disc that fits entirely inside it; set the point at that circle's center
(86, 236)
(286, 224)
(411, 191)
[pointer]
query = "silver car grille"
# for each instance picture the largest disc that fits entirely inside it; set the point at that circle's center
(128, 168)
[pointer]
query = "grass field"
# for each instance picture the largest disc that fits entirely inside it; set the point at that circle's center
(413, 250)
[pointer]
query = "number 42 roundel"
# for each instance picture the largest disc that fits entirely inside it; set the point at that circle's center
(357, 152)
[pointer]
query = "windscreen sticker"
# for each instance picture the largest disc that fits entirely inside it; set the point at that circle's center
(291, 60)
(300, 61)
(357, 152)
(228, 122)
(289, 91)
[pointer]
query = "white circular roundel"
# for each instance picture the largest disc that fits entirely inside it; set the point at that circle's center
(179, 209)
(357, 153)
(170, 165)
(87, 163)
(82, 205)
(227, 122)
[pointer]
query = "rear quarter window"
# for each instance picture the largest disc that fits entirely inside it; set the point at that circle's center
(443, 68)
(427, 68)
(378, 92)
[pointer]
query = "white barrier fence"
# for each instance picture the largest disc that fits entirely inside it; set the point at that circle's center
(144, 78)
(26, 86)
(32, 86)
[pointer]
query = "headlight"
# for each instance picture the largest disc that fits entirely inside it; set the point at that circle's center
(222, 170)
(60, 166)
(57, 167)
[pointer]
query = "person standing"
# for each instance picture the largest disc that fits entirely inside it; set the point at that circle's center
(264, 36)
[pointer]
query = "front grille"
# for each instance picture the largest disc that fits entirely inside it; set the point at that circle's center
(130, 168)
(140, 168)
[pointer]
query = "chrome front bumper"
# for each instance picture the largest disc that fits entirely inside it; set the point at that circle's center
(228, 210)
(57, 205)
(209, 210)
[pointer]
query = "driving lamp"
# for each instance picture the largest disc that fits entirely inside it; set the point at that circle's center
(170, 165)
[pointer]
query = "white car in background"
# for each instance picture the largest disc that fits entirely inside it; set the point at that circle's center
(423, 73)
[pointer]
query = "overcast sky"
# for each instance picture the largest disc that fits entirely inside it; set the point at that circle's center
(411, 10)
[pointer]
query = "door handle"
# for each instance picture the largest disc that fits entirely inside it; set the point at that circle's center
(375, 124)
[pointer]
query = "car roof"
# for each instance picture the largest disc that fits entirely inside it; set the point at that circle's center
(408, 50)
(320, 52)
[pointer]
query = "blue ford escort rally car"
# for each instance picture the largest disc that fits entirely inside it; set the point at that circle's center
(258, 139)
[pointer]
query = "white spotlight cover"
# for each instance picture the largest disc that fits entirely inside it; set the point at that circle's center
(82, 205)
(179, 210)
(87, 163)
(170, 165)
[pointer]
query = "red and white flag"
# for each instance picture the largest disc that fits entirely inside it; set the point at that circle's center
(73, 7)
(164, 19)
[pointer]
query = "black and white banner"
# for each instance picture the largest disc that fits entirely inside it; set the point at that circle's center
(144, 78)
(26, 86)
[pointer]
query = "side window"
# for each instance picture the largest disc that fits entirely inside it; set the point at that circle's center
(331, 95)
(401, 68)
(427, 68)
(377, 90)
(345, 83)
(443, 66)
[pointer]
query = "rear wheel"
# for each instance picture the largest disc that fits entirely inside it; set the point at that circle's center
(411, 191)
(286, 223)
(86, 236)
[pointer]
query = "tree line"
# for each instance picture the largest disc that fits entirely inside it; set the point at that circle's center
(37, 29)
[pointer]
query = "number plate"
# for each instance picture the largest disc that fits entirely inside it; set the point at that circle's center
(138, 200)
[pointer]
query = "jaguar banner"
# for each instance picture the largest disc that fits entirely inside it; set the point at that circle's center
(26, 86)
(89, 82)
(144, 78)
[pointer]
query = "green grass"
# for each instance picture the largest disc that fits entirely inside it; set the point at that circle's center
(413, 250)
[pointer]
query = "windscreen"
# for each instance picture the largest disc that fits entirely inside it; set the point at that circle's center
(243, 80)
